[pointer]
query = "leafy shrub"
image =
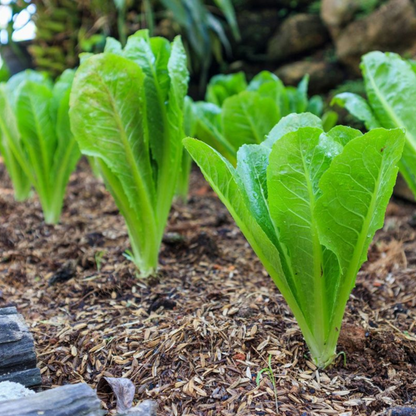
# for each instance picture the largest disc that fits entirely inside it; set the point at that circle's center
(390, 84)
(127, 111)
(309, 203)
(36, 140)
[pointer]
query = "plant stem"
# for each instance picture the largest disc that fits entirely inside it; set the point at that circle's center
(21, 183)
(21, 191)
(183, 180)
(52, 210)
(145, 260)
(144, 238)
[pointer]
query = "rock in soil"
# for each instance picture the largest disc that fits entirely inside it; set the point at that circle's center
(336, 13)
(368, 34)
(11, 391)
(322, 75)
(146, 408)
(65, 273)
(299, 33)
(401, 411)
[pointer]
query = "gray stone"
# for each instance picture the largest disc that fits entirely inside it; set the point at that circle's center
(11, 391)
(17, 350)
(336, 13)
(146, 408)
(322, 75)
(401, 411)
(72, 399)
(298, 34)
(392, 27)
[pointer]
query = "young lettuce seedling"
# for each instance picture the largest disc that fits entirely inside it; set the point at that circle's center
(390, 83)
(36, 138)
(127, 112)
(309, 203)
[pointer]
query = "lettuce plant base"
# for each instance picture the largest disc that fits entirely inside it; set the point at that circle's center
(195, 336)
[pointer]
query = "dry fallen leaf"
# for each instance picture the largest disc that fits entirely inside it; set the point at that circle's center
(123, 389)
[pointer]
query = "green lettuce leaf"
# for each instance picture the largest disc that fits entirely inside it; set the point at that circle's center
(390, 83)
(109, 124)
(127, 110)
(296, 164)
(11, 148)
(309, 203)
(36, 136)
(358, 107)
(221, 87)
(290, 124)
(247, 118)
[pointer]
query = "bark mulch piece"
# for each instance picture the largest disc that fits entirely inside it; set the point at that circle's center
(195, 336)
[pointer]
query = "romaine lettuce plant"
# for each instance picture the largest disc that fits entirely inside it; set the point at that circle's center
(9, 133)
(20, 181)
(36, 140)
(127, 111)
(309, 203)
(236, 112)
(390, 83)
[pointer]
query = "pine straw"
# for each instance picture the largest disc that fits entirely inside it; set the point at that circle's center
(195, 337)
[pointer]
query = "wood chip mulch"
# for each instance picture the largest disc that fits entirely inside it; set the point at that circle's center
(195, 337)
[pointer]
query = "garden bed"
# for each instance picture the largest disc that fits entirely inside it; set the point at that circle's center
(194, 337)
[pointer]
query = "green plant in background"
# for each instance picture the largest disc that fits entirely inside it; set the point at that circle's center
(222, 86)
(236, 112)
(20, 181)
(127, 111)
(4, 72)
(8, 133)
(36, 137)
(65, 28)
(390, 84)
(185, 172)
(309, 204)
(203, 33)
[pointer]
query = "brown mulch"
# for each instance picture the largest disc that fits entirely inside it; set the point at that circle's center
(195, 337)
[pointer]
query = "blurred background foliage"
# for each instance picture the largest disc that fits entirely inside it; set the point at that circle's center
(65, 28)
(291, 38)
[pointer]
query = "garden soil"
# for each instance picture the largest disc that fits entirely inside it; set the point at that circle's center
(195, 337)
